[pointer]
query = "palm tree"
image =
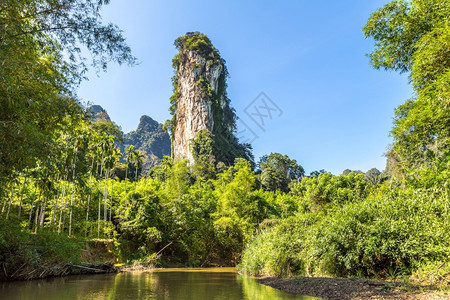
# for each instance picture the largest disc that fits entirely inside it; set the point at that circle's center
(109, 164)
(129, 152)
(101, 146)
(89, 190)
(74, 164)
(21, 194)
(10, 201)
(32, 203)
(106, 147)
(116, 156)
(137, 160)
(62, 209)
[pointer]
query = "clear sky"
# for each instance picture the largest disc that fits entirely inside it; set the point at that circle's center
(308, 57)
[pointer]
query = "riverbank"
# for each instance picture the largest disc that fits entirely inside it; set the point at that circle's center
(352, 288)
(28, 272)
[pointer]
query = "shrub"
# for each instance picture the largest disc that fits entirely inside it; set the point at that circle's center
(281, 250)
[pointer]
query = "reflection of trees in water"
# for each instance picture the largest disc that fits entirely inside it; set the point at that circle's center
(71, 287)
(146, 285)
(132, 286)
(196, 285)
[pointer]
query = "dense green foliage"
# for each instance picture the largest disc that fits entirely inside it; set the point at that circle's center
(278, 170)
(61, 180)
(381, 224)
(387, 232)
(415, 36)
(205, 221)
(40, 54)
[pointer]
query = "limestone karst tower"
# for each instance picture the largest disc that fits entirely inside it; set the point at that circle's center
(200, 105)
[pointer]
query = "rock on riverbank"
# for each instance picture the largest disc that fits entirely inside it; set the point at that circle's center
(350, 288)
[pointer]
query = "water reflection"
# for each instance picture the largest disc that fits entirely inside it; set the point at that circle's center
(182, 284)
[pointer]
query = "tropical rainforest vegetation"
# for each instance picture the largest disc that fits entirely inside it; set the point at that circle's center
(62, 182)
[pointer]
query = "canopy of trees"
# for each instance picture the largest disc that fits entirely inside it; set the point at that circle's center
(277, 171)
(414, 36)
(37, 81)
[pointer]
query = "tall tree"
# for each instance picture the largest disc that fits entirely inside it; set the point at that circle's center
(278, 170)
(42, 62)
(138, 160)
(413, 36)
(129, 153)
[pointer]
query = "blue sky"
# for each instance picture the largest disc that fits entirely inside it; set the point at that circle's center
(308, 57)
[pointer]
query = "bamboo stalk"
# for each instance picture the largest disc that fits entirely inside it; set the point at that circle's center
(55, 211)
(105, 198)
(21, 196)
(74, 162)
(99, 197)
(63, 206)
(9, 205)
(42, 216)
(89, 195)
(32, 203)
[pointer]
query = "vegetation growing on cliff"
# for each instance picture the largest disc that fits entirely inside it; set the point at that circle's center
(149, 138)
(226, 145)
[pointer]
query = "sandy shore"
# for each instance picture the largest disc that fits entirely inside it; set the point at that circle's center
(349, 288)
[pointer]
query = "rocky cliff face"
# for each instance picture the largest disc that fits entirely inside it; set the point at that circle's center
(200, 101)
(194, 107)
(98, 114)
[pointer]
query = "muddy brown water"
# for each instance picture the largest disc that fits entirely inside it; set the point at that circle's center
(182, 284)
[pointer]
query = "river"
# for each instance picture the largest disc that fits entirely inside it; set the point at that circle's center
(180, 284)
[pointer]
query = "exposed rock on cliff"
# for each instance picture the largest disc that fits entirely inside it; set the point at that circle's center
(98, 114)
(200, 102)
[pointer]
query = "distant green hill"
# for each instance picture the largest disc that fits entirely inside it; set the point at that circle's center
(149, 137)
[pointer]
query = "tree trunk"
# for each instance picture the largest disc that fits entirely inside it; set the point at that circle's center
(74, 164)
(32, 203)
(6, 199)
(89, 195)
(99, 197)
(126, 175)
(63, 206)
(71, 209)
(55, 211)
(135, 179)
(42, 216)
(105, 198)
(111, 200)
(36, 214)
(21, 196)
(9, 205)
